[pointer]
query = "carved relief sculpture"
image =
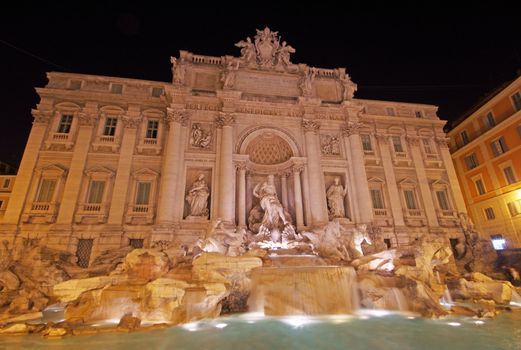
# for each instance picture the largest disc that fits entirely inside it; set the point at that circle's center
(248, 52)
(330, 145)
(349, 87)
(197, 198)
(199, 137)
(335, 199)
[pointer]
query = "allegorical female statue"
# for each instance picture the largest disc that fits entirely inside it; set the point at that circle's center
(335, 199)
(197, 197)
(269, 202)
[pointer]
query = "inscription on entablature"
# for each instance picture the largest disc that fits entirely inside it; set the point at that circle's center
(267, 84)
(202, 106)
(267, 111)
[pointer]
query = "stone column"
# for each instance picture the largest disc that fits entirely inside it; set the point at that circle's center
(241, 210)
(451, 173)
(170, 168)
(297, 189)
(226, 189)
(351, 131)
(75, 176)
(284, 187)
(318, 203)
(390, 180)
(423, 181)
(121, 183)
(305, 195)
(25, 172)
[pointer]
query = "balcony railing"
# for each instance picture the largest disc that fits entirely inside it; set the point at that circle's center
(40, 207)
(92, 207)
(60, 137)
(380, 212)
(413, 212)
(106, 139)
(150, 141)
(140, 208)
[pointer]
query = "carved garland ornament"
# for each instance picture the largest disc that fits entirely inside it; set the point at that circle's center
(130, 123)
(442, 141)
(86, 119)
(41, 116)
(412, 140)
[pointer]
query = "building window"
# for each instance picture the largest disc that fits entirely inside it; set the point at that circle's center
(443, 201)
(418, 114)
(390, 111)
(498, 242)
(83, 252)
(509, 175)
(489, 120)
(110, 126)
(116, 88)
(152, 127)
(519, 131)
(499, 146)
(7, 182)
(95, 195)
(471, 161)
(516, 100)
(1, 204)
(427, 146)
(514, 207)
(397, 144)
(366, 142)
(46, 191)
(143, 193)
(410, 200)
(136, 243)
(464, 137)
(479, 186)
(377, 199)
(157, 92)
(65, 124)
(387, 242)
(75, 85)
(489, 214)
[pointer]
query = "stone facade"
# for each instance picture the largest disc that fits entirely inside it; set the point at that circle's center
(111, 161)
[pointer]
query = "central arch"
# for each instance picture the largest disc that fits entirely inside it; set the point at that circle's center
(265, 137)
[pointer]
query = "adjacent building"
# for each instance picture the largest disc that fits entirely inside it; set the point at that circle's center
(486, 149)
(7, 177)
(112, 161)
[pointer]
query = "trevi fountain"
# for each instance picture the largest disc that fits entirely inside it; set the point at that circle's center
(276, 242)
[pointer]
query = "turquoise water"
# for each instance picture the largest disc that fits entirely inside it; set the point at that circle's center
(375, 331)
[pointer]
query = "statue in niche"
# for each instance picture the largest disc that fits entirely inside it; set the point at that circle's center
(248, 52)
(335, 199)
(197, 197)
(178, 70)
(330, 145)
(274, 223)
(283, 54)
(306, 81)
(229, 74)
(199, 137)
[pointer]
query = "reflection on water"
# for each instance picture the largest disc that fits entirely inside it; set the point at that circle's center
(368, 330)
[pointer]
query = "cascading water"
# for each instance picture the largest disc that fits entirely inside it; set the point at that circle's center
(308, 290)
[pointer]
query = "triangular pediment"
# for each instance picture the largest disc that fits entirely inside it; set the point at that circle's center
(439, 183)
(98, 169)
(376, 179)
(145, 172)
(407, 182)
(54, 168)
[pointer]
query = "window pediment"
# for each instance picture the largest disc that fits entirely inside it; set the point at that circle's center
(100, 170)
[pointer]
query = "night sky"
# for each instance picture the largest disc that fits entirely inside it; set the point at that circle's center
(448, 57)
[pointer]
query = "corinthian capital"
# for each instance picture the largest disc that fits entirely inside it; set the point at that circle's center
(225, 119)
(130, 123)
(86, 119)
(442, 141)
(310, 125)
(41, 117)
(352, 128)
(383, 138)
(412, 140)
(176, 116)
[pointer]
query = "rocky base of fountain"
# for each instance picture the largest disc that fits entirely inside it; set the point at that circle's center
(128, 290)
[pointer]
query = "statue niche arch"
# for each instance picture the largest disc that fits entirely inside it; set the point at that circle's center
(269, 152)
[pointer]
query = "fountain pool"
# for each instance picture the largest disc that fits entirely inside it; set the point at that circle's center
(367, 330)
